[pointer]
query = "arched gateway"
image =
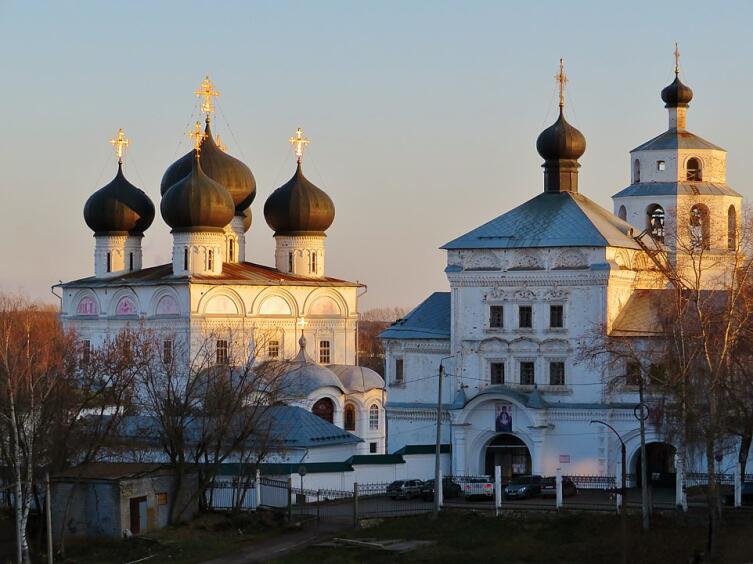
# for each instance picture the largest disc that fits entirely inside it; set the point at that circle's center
(509, 452)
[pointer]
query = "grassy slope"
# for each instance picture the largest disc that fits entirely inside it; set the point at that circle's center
(469, 538)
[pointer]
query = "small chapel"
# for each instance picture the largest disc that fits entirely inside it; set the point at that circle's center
(209, 295)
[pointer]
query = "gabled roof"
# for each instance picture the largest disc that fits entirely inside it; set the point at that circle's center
(677, 189)
(676, 139)
(561, 219)
(232, 273)
(429, 320)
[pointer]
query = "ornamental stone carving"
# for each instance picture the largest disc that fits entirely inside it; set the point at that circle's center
(526, 262)
(570, 259)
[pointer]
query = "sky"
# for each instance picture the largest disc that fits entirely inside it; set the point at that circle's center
(422, 115)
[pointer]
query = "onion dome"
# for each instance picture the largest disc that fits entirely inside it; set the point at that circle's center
(677, 94)
(220, 167)
(119, 208)
(305, 376)
(246, 219)
(561, 141)
(298, 207)
(197, 203)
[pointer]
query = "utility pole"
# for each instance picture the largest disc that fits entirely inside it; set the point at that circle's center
(48, 514)
(641, 414)
(437, 459)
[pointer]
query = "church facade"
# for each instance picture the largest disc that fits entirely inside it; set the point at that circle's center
(209, 298)
(529, 286)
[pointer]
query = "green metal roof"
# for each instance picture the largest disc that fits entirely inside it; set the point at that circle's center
(424, 449)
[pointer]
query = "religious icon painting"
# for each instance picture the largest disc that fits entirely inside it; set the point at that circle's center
(503, 417)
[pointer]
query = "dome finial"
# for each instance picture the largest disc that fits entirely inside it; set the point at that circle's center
(198, 136)
(299, 143)
(561, 79)
(119, 142)
(206, 90)
(677, 60)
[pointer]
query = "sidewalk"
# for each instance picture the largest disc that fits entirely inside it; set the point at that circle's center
(281, 544)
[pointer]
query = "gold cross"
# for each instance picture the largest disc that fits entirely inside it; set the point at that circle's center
(561, 79)
(120, 143)
(207, 91)
(677, 60)
(220, 146)
(299, 143)
(197, 135)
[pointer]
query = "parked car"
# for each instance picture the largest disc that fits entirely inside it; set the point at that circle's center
(746, 495)
(549, 487)
(478, 487)
(404, 489)
(522, 487)
(449, 489)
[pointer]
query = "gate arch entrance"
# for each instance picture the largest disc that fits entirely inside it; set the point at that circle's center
(509, 452)
(660, 465)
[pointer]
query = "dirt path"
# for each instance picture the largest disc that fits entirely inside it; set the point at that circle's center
(279, 545)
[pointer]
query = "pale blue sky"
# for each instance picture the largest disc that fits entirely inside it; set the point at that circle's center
(423, 116)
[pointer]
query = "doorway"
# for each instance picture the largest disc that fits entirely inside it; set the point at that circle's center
(509, 452)
(660, 465)
(138, 514)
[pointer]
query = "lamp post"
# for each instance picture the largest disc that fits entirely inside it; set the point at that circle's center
(623, 488)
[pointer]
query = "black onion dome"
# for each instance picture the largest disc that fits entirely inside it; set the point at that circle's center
(119, 208)
(677, 94)
(299, 207)
(220, 167)
(561, 141)
(246, 219)
(197, 203)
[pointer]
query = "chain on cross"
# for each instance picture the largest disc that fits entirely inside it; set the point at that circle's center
(119, 142)
(299, 143)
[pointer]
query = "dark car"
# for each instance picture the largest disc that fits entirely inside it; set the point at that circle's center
(449, 489)
(549, 487)
(522, 487)
(404, 489)
(746, 497)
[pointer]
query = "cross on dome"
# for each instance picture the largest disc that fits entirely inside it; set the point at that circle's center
(677, 60)
(206, 90)
(561, 79)
(220, 145)
(197, 135)
(299, 143)
(119, 142)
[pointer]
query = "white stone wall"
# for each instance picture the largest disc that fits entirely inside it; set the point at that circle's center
(206, 250)
(301, 254)
(124, 252)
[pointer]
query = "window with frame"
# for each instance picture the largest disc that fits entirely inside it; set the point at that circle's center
(525, 317)
(290, 262)
(185, 259)
(231, 249)
(273, 349)
(130, 262)
(632, 374)
(109, 262)
(399, 376)
(374, 417)
(313, 262)
(161, 498)
(497, 373)
(496, 316)
(86, 352)
(222, 352)
(372, 448)
(324, 352)
(556, 316)
(210, 260)
(350, 417)
(661, 166)
(167, 351)
(527, 373)
(557, 373)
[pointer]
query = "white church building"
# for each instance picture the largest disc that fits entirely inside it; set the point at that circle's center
(528, 286)
(209, 295)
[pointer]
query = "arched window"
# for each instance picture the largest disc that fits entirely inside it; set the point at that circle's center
(350, 417)
(622, 214)
(185, 258)
(313, 262)
(232, 250)
(636, 171)
(732, 228)
(655, 222)
(210, 260)
(109, 262)
(693, 169)
(700, 235)
(130, 261)
(374, 417)
(325, 409)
